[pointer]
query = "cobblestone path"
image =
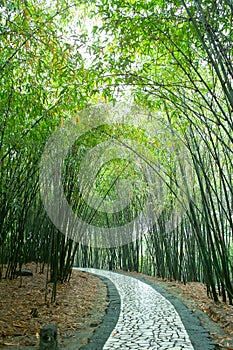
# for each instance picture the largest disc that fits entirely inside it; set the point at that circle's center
(147, 319)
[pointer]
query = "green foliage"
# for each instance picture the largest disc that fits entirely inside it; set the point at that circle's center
(172, 57)
(175, 57)
(43, 81)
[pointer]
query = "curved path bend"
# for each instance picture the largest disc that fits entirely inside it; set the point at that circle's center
(148, 320)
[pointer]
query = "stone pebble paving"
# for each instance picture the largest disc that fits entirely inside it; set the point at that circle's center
(147, 319)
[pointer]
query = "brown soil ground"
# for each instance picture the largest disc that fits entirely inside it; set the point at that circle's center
(80, 307)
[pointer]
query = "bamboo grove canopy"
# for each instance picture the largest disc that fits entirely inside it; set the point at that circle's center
(171, 58)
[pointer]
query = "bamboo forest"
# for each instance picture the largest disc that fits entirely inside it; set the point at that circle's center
(116, 139)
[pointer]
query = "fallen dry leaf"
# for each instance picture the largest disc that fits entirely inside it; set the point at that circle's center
(76, 302)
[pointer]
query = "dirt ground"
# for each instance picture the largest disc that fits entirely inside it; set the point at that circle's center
(80, 306)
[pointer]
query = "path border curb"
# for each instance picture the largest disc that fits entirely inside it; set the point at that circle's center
(102, 333)
(199, 336)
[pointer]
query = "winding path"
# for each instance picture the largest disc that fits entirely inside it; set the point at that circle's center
(147, 319)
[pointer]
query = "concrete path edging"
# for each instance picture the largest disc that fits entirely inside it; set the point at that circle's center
(102, 333)
(199, 337)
